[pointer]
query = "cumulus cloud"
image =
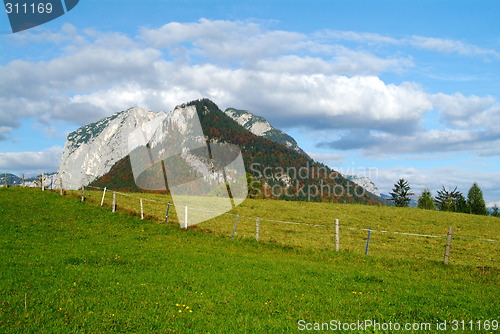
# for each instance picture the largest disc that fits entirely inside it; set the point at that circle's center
(290, 78)
(31, 163)
(465, 112)
(226, 40)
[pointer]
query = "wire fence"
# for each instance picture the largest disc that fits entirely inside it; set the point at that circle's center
(293, 223)
(467, 249)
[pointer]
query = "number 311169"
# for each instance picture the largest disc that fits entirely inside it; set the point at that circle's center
(28, 9)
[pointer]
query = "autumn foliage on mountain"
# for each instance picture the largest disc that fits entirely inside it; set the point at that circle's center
(274, 171)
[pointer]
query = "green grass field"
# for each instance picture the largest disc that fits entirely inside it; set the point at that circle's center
(316, 231)
(67, 266)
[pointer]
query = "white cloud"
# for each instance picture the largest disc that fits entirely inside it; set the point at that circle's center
(439, 45)
(31, 162)
(442, 45)
(225, 40)
(67, 34)
(493, 204)
(465, 112)
(344, 62)
(358, 37)
(287, 77)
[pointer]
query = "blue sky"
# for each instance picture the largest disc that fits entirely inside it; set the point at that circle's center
(384, 89)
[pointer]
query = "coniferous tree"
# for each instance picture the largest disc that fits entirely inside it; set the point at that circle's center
(450, 200)
(461, 203)
(444, 201)
(495, 212)
(425, 201)
(401, 193)
(475, 201)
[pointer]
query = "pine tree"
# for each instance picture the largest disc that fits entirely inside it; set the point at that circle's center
(400, 194)
(425, 201)
(495, 212)
(452, 201)
(444, 201)
(475, 201)
(461, 203)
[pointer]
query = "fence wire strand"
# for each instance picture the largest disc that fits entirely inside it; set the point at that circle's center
(300, 223)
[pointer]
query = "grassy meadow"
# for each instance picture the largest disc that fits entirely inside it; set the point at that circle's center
(316, 228)
(67, 266)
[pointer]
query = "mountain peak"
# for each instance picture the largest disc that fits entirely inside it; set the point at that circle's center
(134, 110)
(93, 149)
(259, 126)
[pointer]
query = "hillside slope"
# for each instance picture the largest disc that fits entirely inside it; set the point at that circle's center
(71, 267)
(276, 170)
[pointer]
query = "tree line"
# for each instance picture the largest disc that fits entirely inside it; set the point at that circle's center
(445, 200)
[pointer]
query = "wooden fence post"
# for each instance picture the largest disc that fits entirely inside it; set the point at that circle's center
(113, 209)
(337, 237)
(6, 182)
(257, 229)
(448, 245)
(42, 183)
(142, 211)
(61, 188)
(83, 193)
(103, 194)
(23, 181)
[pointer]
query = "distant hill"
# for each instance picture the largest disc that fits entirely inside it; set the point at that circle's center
(32, 181)
(275, 170)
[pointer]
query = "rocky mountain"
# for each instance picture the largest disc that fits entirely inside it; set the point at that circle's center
(11, 179)
(92, 150)
(274, 170)
(364, 182)
(32, 181)
(259, 126)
